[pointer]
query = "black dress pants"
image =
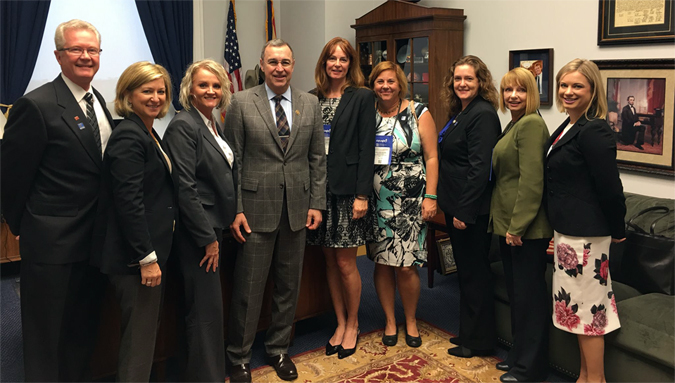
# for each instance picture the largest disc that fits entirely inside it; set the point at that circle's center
(471, 248)
(524, 271)
(205, 335)
(60, 305)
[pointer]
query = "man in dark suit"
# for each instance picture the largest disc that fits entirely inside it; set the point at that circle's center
(51, 162)
(630, 125)
(278, 139)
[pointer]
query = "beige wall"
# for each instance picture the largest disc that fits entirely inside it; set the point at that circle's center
(492, 28)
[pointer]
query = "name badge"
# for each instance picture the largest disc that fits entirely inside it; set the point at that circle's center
(326, 136)
(383, 145)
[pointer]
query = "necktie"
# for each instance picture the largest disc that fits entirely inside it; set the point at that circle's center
(91, 119)
(282, 122)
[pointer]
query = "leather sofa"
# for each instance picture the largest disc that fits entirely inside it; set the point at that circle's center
(643, 349)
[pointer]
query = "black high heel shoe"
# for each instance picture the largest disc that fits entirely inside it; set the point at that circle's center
(345, 352)
(330, 349)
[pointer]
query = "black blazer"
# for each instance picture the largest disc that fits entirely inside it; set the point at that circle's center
(583, 195)
(51, 172)
(351, 152)
(465, 155)
(138, 206)
(206, 182)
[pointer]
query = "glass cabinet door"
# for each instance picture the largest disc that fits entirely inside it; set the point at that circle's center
(412, 55)
(370, 54)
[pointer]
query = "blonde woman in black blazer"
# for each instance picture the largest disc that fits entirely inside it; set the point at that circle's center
(348, 112)
(138, 208)
(585, 205)
(465, 149)
(206, 167)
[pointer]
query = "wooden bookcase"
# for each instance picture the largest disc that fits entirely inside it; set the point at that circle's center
(423, 41)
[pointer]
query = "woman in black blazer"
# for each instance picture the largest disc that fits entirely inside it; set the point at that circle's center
(138, 208)
(585, 205)
(349, 125)
(465, 148)
(205, 166)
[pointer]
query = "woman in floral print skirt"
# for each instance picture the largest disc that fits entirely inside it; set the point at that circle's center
(585, 205)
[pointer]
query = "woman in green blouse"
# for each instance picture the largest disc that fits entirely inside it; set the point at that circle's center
(517, 217)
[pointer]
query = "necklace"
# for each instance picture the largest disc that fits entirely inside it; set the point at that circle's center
(390, 111)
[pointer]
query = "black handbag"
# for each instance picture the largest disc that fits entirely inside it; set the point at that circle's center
(648, 260)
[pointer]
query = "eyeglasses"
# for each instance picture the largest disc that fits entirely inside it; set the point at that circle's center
(78, 51)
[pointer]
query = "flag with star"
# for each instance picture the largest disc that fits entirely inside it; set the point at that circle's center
(232, 60)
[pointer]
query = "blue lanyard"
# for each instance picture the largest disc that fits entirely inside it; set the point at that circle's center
(453, 121)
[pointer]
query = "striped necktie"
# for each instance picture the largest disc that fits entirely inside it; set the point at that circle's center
(91, 119)
(282, 122)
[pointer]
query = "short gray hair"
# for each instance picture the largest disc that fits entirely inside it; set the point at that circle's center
(276, 43)
(59, 38)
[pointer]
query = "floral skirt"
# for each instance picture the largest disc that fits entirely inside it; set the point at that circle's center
(583, 301)
(338, 229)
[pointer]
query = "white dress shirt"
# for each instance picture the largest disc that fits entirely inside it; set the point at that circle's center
(285, 103)
(229, 155)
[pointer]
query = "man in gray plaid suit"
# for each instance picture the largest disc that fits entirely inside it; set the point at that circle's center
(278, 140)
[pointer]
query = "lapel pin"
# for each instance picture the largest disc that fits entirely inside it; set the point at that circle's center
(80, 125)
(77, 118)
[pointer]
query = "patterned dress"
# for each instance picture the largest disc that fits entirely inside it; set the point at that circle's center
(337, 229)
(583, 301)
(400, 232)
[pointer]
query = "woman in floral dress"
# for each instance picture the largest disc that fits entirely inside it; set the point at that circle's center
(586, 207)
(405, 196)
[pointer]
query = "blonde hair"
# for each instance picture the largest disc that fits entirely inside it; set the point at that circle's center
(210, 66)
(59, 35)
(354, 75)
(597, 107)
(400, 76)
(486, 87)
(520, 77)
(135, 76)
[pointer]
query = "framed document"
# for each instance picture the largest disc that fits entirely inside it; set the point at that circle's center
(636, 22)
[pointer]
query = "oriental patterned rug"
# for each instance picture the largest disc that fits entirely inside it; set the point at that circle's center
(375, 362)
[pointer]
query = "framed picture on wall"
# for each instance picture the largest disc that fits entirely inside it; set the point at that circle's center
(641, 104)
(635, 22)
(540, 63)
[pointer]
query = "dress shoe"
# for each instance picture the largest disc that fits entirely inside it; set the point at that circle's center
(330, 349)
(345, 352)
(390, 340)
(284, 366)
(463, 352)
(412, 341)
(503, 366)
(240, 373)
(639, 147)
(456, 341)
(507, 377)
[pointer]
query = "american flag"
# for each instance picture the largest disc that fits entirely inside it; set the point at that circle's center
(232, 60)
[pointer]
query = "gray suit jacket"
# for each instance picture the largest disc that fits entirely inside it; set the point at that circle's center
(207, 197)
(265, 172)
